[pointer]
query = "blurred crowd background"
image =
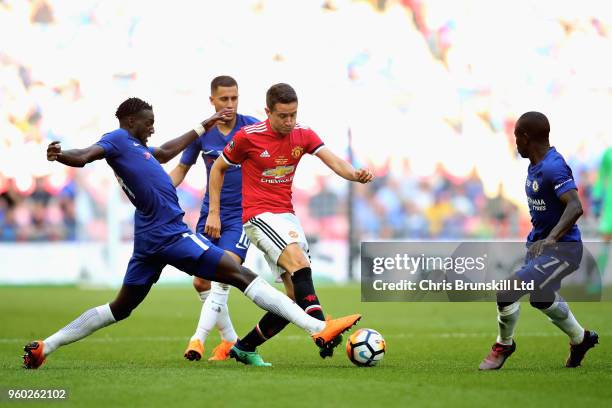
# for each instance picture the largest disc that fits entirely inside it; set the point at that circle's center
(427, 91)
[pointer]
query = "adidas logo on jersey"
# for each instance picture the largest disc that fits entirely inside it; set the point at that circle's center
(265, 154)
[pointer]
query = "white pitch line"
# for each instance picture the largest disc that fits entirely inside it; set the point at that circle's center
(296, 338)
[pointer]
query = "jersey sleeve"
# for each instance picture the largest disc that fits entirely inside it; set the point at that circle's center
(111, 143)
(190, 154)
(313, 142)
(561, 178)
(235, 152)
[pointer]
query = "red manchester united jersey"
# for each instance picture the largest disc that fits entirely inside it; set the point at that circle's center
(269, 161)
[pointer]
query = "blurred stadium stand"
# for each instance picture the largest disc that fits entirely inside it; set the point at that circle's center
(429, 90)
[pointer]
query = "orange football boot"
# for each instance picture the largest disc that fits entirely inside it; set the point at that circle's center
(34, 356)
(221, 352)
(333, 328)
(194, 351)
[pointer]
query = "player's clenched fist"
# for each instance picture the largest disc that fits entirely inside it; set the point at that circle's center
(363, 176)
(54, 150)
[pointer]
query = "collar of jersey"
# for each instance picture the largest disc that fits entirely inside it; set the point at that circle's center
(130, 136)
(233, 131)
(536, 167)
(272, 131)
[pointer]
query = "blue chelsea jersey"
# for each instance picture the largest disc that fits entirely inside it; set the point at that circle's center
(546, 182)
(211, 145)
(145, 183)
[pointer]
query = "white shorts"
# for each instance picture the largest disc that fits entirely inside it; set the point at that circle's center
(271, 233)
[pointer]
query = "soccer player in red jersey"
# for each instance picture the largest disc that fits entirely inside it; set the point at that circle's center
(269, 153)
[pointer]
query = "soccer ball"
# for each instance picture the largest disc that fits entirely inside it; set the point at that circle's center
(365, 347)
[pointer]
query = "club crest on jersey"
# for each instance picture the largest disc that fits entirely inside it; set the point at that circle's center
(535, 186)
(297, 151)
(278, 171)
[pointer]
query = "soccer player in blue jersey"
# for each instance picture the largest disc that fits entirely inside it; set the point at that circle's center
(233, 240)
(160, 236)
(554, 245)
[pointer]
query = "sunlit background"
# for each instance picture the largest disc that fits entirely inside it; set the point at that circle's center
(427, 91)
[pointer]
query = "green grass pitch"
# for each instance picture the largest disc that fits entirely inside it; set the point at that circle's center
(432, 357)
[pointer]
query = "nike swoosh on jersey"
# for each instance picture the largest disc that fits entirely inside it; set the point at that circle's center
(562, 183)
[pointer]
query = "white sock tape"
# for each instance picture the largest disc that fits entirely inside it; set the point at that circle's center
(199, 129)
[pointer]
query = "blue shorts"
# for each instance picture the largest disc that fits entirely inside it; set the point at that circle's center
(232, 239)
(189, 252)
(548, 269)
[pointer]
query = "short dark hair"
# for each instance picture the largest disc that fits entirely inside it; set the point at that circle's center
(131, 106)
(223, 80)
(535, 124)
(280, 93)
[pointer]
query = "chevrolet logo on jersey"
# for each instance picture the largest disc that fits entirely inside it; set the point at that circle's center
(278, 171)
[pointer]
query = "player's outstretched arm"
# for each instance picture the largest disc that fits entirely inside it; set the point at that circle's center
(177, 175)
(573, 211)
(343, 168)
(171, 148)
(217, 175)
(74, 157)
